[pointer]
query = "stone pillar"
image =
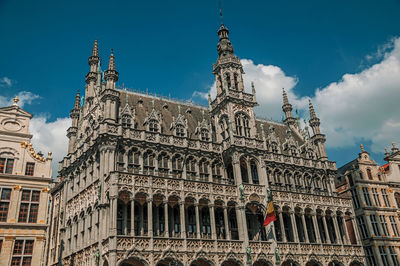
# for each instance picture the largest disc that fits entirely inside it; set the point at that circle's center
(328, 239)
(356, 231)
(303, 220)
(346, 232)
(212, 220)
(113, 211)
(166, 233)
(125, 220)
(226, 223)
(377, 255)
(150, 217)
(284, 239)
(337, 231)
(182, 216)
(316, 228)
(236, 170)
(294, 227)
(239, 222)
(196, 206)
(141, 218)
(132, 217)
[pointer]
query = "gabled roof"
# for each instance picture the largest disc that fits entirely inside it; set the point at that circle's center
(16, 110)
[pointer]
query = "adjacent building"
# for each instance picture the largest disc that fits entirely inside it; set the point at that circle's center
(25, 177)
(376, 198)
(152, 181)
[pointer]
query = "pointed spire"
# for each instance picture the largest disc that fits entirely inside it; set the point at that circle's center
(285, 98)
(95, 51)
(253, 90)
(111, 63)
(77, 101)
(312, 111)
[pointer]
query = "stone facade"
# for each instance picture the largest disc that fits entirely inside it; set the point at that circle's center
(25, 178)
(375, 193)
(152, 181)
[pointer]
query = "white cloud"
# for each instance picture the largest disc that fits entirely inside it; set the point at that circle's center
(25, 97)
(4, 81)
(50, 137)
(361, 106)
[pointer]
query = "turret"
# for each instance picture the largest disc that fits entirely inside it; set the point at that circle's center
(287, 109)
(92, 76)
(110, 96)
(318, 138)
(72, 131)
(111, 75)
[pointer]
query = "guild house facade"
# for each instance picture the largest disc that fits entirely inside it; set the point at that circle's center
(25, 178)
(375, 191)
(153, 181)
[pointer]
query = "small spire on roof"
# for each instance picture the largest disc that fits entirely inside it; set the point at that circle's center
(111, 63)
(95, 51)
(394, 148)
(312, 111)
(77, 101)
(285, 98)
(15, 100)
(362, 147)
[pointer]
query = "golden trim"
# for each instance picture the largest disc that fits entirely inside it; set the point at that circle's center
(17, 187)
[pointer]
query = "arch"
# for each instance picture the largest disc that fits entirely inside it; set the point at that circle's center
(290, 262)
(255, 217)
(232, 262)
(262, 262)
(254, 171)
(335, 263)
(133, 262)
(313, 262)
(169, 262)
(202, 262)
(244, 170)
(232, 220)
(356, 263)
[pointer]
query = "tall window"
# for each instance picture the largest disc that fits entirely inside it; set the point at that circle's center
(22, 253)
(393, 255)
(374, 223)
(153, 125)
(204, 135)
(28, 210)
(126, 121)
(385, 198)
(163, 164)
(384, 225)
(370, 256)
(223, 123)
(6, 165)
(254, 173)
(177, 165)
(120, 160)
(148, 163)
(228, 80)
(363, 227)
(397, 197)
(216, 172)
(394, 225)
(5, 196)
(376, 196)
(133, 161)
(242, 125)
(366, 196)
(355, 198)
(180, 131)
(383, 254)
(369, 174)
(29, 170)
(203, 167)
(191, 168)
(235, 80)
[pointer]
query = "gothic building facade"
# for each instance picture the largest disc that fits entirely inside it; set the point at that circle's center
(152, 181)
(375, 191)
(25, 178)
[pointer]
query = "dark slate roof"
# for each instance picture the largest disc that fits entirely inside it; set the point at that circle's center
(347, 166)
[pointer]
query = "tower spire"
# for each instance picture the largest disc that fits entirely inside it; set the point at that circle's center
(287, 109)
(312, 111)
(92, 76)
(95, 51)
(220, 12)
(77, 101)
(111, 75)
(318, 138)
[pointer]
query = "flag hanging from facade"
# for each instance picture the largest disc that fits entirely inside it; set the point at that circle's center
(270, 216)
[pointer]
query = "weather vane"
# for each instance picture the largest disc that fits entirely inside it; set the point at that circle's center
(220, 12)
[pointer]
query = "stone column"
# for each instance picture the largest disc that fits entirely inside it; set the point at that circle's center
(196, 207)
(303, 220)
(316, 228)
(150, 217)
(236, 170)
(212, 220)
(328, 239)
(182, 216)
(141, 218)
(125, 220)
(337, 231)
(294, 227)
(226, 223)
(166, 233)
(346, 232)
(132, 217)
(356, 231)
(284, 239)
(239, 222)
(113, 224)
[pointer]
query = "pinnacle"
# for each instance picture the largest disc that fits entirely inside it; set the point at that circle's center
(111, 63)
(285, 98)
(95, 51)
(312, 111)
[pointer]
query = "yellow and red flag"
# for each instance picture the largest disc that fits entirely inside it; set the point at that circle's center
(270, 216)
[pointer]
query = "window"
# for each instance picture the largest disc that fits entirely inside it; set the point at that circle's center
(274, 147)
(180, 131)
(29, 207)
(374, 224)
(383, 254)
(223, 123)
(366, 196)
(22, 253)
(385, 198)
(393, 255)
(203, 167)
(191, 168)
(177, 165)
(370, 256)
(235, 80)
(397, 197)
(163, 164)
(363, 227)
(355, 199)
(153, 125)
(376, 196)
(384, 225)
(133, 161)
(126, 121)
(216, 172)
(148, 163)
(5, 196)
(369, 174)
(204, 135)
(254, 173)
(242, 125)
(29, 169)
(6, 165)
(120, 160)
(394, 225)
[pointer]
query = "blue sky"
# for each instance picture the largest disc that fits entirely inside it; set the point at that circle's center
(169, 47)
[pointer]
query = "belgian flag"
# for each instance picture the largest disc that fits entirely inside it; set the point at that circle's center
(270, 216)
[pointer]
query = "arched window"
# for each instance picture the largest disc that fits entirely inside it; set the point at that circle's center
(180, 130)
(153, 125)
(254, 172)
(228, 80)
(223, 123)
(126, 121)
(369, 174)
(203, 167)
(133, 161)
(293, 151)
(220, 82)
(177, 165)
(229, 170)
(191, 168)
(216, 172)
(204, 134)
(235, 79)
(163, 164)
(274, 147)
(243, 170)
(120, 160)
(242, 125)
(148, 163)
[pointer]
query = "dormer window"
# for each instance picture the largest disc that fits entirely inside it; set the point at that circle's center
(126, 121)
(180, 130)
(274, 147)
(153, 125)
(204, 134)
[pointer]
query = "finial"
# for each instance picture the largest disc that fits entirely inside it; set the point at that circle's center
(95, 51)
(152, 103)
(387, 153)
(179, 109)
(362, 147)
(253, 90)
(312, 111)
(111, 63)
(220, 12)
(77, 100)
(394, 148)
(15, 100)
(285, 98)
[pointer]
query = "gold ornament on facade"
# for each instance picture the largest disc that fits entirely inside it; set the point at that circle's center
(45, 189)
(17, 187)
(34, 155)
